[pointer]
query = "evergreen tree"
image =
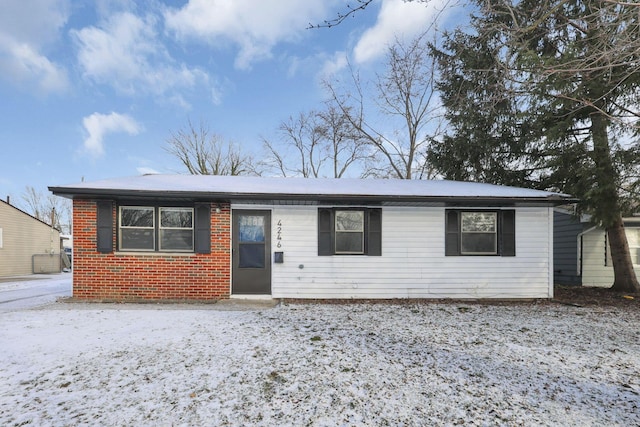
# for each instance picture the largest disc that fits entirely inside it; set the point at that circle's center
(546, 94)
(485, 141)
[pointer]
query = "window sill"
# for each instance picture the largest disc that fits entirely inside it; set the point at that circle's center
(153, 253)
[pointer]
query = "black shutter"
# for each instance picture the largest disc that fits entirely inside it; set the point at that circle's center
(325, 232)
(508, 228)
(202, 237)
(104, 226)
(374, 232)
(452, 233)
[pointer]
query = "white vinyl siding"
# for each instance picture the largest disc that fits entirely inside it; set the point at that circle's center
(413, 262)
(593, 251)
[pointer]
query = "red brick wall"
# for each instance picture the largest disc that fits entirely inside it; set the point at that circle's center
(155, 276)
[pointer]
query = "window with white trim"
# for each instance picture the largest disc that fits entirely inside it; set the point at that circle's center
(176, 229)
(150, 228)
(470, 232)
(137, 228)
(349, 232)
(479, 233)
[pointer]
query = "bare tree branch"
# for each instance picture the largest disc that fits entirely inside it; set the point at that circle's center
(43, 206)
(204, 153)
(317, 138)
(351, 10)
(406, 95)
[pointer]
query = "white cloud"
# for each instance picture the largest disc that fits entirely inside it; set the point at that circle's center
(145, 170)
(336, 63)
(125, 52)
(25, 34)
(254, 26)
(397, 18)
(21, 63)
(99, 125)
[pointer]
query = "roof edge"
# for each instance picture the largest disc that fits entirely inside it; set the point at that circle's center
(70, 192)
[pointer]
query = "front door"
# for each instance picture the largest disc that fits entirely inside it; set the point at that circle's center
(251, 252)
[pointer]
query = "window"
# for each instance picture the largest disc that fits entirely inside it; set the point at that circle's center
(350, 231)
(143, 228)
(251, 241)
(480, 232)
(137, 228)
(176, 229)
(146, 228)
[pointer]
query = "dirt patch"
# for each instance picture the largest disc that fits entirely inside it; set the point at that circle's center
(584, 296)
(571, 295)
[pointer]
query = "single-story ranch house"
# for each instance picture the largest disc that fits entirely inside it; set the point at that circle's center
(194, 237)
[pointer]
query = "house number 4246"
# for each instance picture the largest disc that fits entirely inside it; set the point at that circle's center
(279, 234)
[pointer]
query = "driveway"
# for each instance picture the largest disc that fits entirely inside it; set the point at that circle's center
(24, 292)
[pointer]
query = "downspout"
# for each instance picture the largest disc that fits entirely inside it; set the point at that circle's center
(53, 216)
(579, 244)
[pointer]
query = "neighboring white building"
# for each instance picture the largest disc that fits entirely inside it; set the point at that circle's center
(27, 245)
(594, 253)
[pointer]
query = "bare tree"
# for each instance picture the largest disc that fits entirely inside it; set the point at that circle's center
(53, 210)
(315, 144)
(344, 145)
(206, 153)
(405, 94)
(303, 135)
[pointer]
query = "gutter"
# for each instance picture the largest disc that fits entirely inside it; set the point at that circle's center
(143, 194)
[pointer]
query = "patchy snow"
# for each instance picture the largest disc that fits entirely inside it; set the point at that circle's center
(320, 365)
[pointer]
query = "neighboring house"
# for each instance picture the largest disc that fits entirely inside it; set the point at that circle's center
(175, 237)
(27, 245)
(581, 251)
(594, 254)
(566, 229)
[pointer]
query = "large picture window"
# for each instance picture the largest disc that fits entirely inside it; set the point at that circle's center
(480, 232)
(145, 228)
(350, 231)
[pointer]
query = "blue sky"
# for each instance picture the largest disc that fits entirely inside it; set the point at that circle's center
(93, 89)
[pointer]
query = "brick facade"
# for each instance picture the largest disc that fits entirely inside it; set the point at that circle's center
(127, 276)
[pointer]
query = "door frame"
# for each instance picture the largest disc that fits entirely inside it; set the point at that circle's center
(234, 250)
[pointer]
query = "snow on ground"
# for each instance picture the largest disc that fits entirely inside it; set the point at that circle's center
(321, 365)
(19, 293)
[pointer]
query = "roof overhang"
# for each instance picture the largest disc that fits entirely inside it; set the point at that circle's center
(309, 191)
